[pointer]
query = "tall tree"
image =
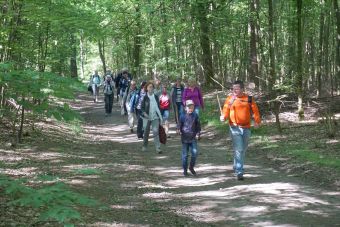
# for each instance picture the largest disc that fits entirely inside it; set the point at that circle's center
(206, 56)
(337, 49)
(272, 77)
(299, 76)
(254, 68)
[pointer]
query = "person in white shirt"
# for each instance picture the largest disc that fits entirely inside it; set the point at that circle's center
(151, 117)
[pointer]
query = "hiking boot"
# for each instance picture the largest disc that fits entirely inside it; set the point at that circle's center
(192, 171)
(185, 173)
(240, 177)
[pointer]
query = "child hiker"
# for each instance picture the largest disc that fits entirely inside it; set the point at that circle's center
(189, 126)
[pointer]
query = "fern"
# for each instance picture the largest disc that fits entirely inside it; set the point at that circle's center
(54, 202)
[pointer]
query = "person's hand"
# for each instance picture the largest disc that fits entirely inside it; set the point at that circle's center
(222, 119)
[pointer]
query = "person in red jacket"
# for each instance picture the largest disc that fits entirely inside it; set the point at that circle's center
(238, 108)
(164, 104)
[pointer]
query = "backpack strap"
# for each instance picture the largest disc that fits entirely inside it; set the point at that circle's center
(250, 100)
(232, 101)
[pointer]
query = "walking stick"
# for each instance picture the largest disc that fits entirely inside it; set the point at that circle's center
(219, 104)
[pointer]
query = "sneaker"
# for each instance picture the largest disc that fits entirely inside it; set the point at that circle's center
(159, 151)
(143, 149)
(192, 171)
(131, 130)
(240, 177)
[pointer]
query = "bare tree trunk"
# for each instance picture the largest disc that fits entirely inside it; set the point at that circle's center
(321, 51)
(337, 49)
(73, 59)
(165, 35)
(21, 129)
(82, 55)
(272, 78)
(206, 58)
(299, 76)
(253, 69)
(137, 43)
(101, 48)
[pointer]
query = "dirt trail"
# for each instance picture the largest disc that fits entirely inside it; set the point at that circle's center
(148, 189)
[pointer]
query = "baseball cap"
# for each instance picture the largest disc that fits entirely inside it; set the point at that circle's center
(189, 102)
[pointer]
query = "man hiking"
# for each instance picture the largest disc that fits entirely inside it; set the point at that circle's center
(238, 109)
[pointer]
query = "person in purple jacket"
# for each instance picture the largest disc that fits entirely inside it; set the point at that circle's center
(193, 92)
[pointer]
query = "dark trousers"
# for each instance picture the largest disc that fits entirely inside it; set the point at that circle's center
(140, 130)
(108, 103)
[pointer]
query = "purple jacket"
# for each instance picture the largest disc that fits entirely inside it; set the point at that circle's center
(194, 95)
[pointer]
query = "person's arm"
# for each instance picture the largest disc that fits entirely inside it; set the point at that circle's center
(198, 124)
(184, 96)
(225, 110)
(256, 112)
(200, 97)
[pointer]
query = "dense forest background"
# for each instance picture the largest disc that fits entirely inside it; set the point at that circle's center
(284, 48)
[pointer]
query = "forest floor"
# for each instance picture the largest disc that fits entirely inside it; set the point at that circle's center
(104, 161)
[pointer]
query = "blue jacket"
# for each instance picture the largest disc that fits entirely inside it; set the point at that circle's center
(189, 126)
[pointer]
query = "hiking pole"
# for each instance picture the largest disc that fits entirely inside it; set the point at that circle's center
(219, 104)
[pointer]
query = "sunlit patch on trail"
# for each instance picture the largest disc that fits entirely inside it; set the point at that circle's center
(26, 172)
(124, 207)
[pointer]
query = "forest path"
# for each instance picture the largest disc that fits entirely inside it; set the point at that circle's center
(148, 189)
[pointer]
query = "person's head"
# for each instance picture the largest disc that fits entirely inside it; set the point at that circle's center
(189, 106)
(238, 87)
(178, 81)
(133, 85)
(108, 78)
(164, 88)
(192, 82)
(157, 83)
(149, 87)
(142, 85)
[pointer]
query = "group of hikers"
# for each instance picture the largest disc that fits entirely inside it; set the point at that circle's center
(148, 106)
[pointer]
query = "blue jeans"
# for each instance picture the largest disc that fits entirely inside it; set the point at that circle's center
(140, 130)
(240, 138)
(185, 148)
(165, 115)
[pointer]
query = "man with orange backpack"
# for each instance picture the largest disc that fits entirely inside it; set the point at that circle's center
(238, 108)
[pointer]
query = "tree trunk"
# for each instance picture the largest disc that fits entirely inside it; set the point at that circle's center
(137, 43)
(21, 129)
(165, 36)
(337, 49)
(206, 59)
(73, 59)
(272, 78)
(101, 48)
(253, 69)
(321, 51)
(299, 76)
(82, 55)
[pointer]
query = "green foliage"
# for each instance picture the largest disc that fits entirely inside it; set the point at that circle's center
(298, 145)
(40, 94)
(329, 123)
(210, 116)
(53, 202)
